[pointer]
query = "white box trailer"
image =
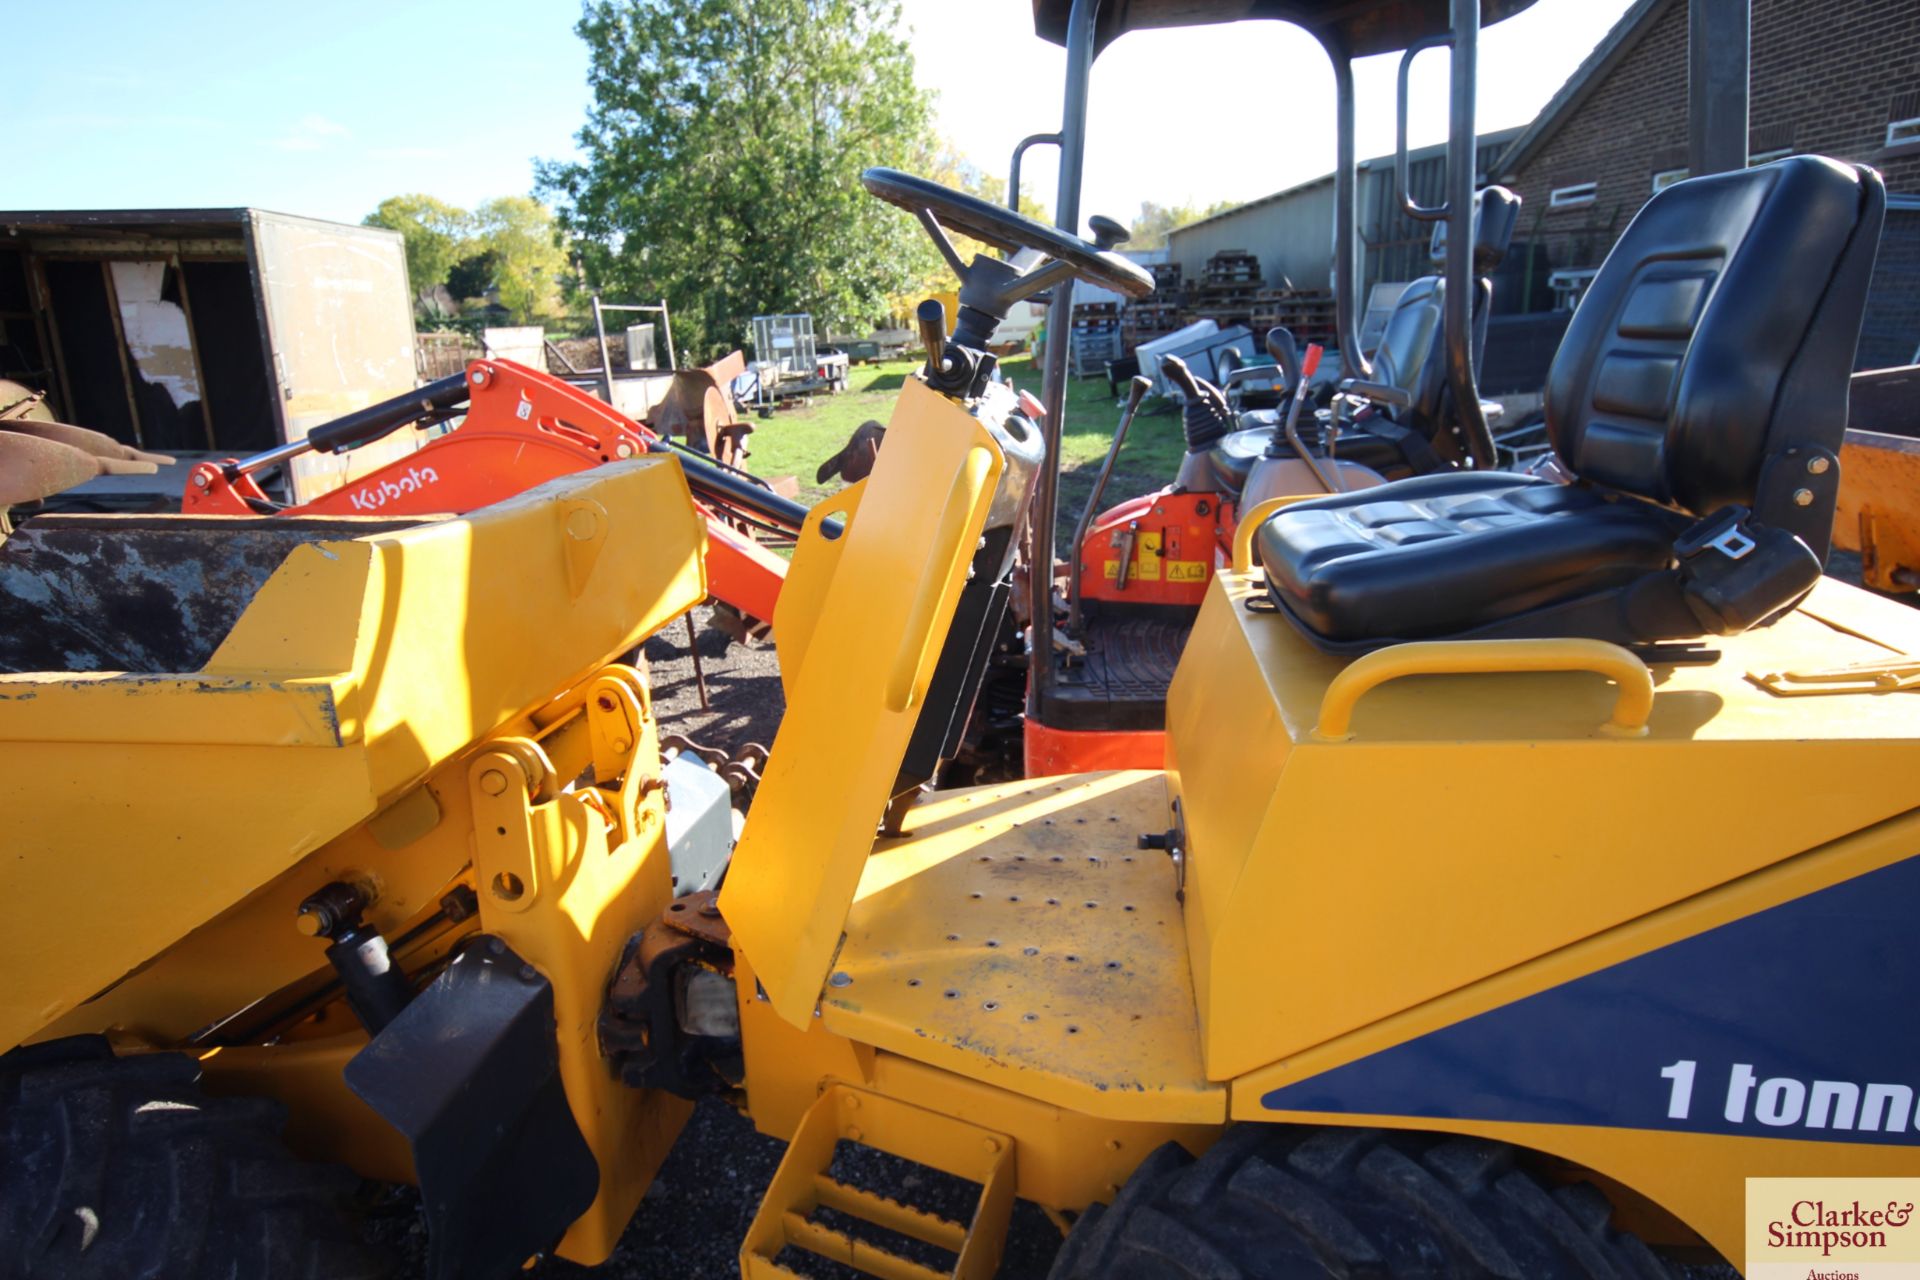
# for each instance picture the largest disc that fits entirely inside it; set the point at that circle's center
(208, 330)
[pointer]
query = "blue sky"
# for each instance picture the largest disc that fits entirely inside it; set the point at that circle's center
(324, 109)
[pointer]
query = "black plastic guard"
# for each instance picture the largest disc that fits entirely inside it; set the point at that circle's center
(470, 1074)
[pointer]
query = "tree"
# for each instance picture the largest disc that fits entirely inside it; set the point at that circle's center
(472, 276)
(519, 236)
(1156, 220)
(434, 231)
(722, 156)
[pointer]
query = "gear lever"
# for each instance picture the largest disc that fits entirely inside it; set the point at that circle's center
(931, 318)
(1286, 353)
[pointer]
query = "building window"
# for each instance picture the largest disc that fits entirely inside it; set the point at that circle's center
(1768, 157)
(1901, 132)
(1666, 178)
(1572, 197)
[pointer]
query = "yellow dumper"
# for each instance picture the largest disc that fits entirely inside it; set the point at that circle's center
(1515, 909)
(225, 749)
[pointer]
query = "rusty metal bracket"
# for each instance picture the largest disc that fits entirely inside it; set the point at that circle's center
(741, 771)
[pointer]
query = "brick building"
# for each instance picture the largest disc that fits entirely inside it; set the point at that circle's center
(1841, 80)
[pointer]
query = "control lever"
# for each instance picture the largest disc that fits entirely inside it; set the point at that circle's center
(1136, 392)
(931, 318)
(1190, 387)
(1301, 371)
(1286, 353)
(1180, 376)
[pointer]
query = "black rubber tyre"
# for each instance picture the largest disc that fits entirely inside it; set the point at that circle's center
(122, 1167)
(1296, 1202)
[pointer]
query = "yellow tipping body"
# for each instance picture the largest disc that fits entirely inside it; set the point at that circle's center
(409, 711)
(147, 804)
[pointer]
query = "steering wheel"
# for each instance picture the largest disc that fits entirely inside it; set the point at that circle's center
(939, 206)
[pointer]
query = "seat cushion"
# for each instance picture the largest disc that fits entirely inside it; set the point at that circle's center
(1445, 554)
(1356, 444)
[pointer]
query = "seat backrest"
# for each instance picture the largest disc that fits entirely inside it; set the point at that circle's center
(1412, 352)
(1409, 355)
(1720, 333)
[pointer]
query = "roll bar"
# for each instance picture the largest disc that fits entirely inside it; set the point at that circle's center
(1719, 44)
(1013, 170)
(1456, 211)
(1053, 389)
(1345, 33)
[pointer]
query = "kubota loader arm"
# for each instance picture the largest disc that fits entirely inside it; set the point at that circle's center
(522, 428)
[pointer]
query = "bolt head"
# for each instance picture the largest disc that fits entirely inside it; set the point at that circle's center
(200, 480)
(493, 782)
(1803, 497)
(479, 377)
(1818, 466)
(623, 450)
(582, 524)
(309, 923)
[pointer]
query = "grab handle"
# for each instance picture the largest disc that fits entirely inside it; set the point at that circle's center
(1486, 657)
(1402, 167)
(918, 639)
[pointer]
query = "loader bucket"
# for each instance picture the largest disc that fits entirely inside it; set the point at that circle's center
(146, 594)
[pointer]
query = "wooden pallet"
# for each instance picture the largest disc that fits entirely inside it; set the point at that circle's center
(1233, 266)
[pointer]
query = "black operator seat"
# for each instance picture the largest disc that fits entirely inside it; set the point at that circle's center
(1397, 435)
(1699, 399)
(1412, 353)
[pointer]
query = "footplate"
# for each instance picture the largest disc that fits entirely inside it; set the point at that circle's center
(802, 1186)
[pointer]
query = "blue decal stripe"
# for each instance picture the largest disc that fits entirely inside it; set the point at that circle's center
(1794, 1022)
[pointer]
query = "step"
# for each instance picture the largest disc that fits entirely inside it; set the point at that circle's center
(803, 1185)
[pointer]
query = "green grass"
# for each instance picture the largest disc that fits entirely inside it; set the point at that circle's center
(795, 441)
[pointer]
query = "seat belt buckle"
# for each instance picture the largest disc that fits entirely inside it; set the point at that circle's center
(1734, 543)
(1724, 531)
(1759, 572)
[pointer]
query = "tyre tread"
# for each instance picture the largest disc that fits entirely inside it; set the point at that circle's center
(122, 1166)
(1288, 1201)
